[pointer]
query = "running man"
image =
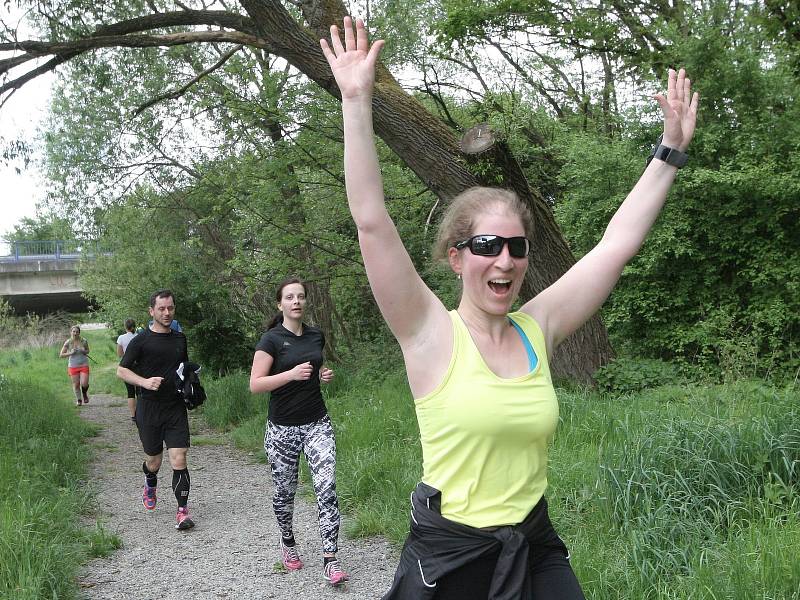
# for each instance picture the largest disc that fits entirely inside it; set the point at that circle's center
(150, 362)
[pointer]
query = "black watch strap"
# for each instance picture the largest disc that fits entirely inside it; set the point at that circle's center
(671, 156)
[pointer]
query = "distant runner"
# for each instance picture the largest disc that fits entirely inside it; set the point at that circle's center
(122, 345)
(76, 349)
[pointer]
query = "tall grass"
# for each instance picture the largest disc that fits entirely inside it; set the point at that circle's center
(42, 475)
(683, 480)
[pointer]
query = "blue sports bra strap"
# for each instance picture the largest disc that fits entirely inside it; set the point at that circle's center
(533, 360)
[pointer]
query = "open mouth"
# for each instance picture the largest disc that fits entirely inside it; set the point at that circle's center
(500, 286)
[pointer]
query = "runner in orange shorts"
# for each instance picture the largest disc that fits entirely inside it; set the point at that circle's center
(76, 349)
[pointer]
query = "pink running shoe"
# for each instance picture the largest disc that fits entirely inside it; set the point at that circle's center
(149, 497)
(333, 574)
(182, 519)
(291, 559)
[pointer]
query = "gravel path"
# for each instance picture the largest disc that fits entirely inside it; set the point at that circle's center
(232, 552)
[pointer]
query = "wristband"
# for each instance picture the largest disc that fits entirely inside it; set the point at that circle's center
(671, 156)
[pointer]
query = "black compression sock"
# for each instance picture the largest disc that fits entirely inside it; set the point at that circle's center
(288, 541)
(327, 559)
(150, 476)
(180, 485)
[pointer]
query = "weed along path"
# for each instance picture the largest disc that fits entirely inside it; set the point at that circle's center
(232, 551)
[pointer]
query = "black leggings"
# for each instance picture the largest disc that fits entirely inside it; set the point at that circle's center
(552, 578)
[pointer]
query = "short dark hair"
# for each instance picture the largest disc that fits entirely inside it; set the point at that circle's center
(160, 294)
(130, 324)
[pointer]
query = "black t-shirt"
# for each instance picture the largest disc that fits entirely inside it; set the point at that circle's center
(152, 354)
(297, 402)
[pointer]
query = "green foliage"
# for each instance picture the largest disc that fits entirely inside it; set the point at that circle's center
(230, 403)
(42, 227)
(265, 201)
(42, 467)
(628, 376)
(716, 282)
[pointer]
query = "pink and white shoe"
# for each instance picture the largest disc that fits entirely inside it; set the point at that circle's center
(290, 557)
(182, 519)
(333, 573)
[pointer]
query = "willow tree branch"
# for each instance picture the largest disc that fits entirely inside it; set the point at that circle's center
(177, 93)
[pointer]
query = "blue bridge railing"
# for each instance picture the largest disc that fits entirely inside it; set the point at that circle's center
(46, 249)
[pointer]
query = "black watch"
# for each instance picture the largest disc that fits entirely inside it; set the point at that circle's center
(671, 156)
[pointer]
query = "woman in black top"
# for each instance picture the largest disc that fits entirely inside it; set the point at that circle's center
(288, 364)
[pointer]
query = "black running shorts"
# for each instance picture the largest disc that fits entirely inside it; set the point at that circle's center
(161, 424)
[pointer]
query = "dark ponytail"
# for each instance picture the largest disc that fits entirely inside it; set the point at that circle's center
(275, 321)
(278, 319)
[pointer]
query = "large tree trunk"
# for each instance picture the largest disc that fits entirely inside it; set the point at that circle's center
(431, 150)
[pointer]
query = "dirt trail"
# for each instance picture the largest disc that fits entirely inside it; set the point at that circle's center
(232, 552)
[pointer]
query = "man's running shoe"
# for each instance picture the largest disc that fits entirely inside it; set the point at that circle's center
(182, 519)
(149, 497)
(291, 559)
(333, 573)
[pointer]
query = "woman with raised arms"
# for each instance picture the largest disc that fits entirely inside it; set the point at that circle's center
(480, 374)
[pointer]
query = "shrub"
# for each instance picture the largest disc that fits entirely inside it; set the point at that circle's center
(627, 375)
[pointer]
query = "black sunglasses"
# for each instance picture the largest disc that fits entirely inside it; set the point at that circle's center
(492, 245)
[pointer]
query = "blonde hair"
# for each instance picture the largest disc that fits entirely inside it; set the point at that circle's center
(459, 219)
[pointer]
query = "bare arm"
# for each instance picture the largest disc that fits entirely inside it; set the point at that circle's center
(567, 304)
(261, 381)
(128, 376)
(405, 302)
(120, 351)
(65, 353)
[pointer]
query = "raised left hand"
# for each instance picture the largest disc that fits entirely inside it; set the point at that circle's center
(680, 110)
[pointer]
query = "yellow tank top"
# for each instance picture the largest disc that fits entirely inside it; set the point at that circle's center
(485, 438)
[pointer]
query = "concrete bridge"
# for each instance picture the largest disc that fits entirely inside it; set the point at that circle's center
(42, 276)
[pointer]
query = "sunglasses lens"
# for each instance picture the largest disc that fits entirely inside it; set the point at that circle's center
(487, 245)
(518, 247)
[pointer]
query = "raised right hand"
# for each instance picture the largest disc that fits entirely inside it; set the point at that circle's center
(353, 65)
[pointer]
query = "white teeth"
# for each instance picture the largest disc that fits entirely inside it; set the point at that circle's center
(500, 281)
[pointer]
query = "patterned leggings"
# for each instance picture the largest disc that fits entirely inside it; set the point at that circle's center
(283, 445)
